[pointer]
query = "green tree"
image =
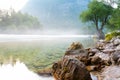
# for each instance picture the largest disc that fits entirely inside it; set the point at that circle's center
(99, 14)
(115, 19)
(16, 21)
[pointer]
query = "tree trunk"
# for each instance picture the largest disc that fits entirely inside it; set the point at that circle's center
(100, 34)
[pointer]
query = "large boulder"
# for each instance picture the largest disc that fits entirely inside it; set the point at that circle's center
(70, 69)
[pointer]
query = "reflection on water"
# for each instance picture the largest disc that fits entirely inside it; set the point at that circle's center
(18, 72)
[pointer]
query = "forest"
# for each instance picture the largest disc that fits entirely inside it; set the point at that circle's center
(17, 22)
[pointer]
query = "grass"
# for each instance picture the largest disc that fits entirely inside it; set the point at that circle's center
(37, 55)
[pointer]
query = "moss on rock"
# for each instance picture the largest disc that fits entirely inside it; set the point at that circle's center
(109, 36)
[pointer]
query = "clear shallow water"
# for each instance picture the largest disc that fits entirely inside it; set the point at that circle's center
(53, 44)
(19, 72)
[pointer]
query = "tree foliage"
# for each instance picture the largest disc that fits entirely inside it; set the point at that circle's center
(17, 21)
(115, 19)
(99, 14)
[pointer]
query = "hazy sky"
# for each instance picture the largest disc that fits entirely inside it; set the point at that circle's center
(57, 14)
(15, 4)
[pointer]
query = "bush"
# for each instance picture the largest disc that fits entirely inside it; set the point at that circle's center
(109, 36)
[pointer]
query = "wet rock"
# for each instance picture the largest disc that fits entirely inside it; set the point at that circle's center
(70, 69)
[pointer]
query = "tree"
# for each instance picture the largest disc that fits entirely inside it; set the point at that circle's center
(99, 14)
(16, 21)
(115, 19)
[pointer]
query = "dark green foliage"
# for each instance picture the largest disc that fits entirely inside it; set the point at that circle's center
(14, 21)
(97, 13)
(115, 20)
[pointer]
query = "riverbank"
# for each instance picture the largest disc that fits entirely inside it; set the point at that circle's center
(103, 60)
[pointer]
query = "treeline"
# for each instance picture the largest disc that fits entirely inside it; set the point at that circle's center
(104, 15)
(15, 22)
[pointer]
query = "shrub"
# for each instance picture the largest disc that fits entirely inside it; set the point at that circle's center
(109, 36)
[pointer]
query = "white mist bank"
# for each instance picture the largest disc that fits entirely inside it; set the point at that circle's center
(19, 72)
(13, 37)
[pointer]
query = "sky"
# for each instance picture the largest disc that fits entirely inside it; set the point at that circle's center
(15, 4)
(61, 15)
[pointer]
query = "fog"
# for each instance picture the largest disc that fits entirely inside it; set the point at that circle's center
(14, 37)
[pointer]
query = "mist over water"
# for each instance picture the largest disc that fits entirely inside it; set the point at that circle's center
(13, 37)
(19, 72)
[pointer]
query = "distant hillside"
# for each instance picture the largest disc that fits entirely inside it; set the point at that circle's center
(57, 13)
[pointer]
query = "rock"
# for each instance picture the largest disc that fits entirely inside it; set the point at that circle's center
(95, 60)
(76, 49)
(108, 51)
(75, 46)
(75, 52)
(109, 46)
(70, 69)
(116, 41)
(100, 45)
(115, 58)
(118, 47)
(91, 54)
(93, 50)
(110, 73)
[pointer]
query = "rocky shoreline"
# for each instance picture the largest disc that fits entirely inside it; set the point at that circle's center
(103, 60)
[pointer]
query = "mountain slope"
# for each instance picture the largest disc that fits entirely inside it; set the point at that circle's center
(60, 14)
